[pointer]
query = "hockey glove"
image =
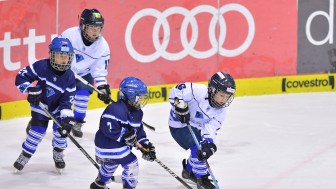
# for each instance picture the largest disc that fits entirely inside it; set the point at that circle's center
(34, 95)
(67, 123)
(130, 137)
(148, 151)
(208, 149)
(182, 112)
(105, 96)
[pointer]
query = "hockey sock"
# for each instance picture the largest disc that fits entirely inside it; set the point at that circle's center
(81, 103)
(34, 137)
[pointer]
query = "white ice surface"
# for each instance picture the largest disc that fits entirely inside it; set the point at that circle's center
(267, 142)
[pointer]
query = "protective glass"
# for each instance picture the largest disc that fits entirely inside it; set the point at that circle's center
(140, 101)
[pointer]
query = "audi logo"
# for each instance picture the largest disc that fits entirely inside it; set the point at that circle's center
(189, 46)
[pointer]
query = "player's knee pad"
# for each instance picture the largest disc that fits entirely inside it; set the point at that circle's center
(130, 174)
(41, 123)
(106, 171)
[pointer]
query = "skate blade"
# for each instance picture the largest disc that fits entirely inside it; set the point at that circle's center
(59, 171)
(16, 171)
(190, 182)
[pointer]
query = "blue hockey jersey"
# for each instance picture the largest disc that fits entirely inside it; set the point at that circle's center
(57, 90)
(114, 122)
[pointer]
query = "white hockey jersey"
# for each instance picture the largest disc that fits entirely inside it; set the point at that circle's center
(93, 59)
(202, 116)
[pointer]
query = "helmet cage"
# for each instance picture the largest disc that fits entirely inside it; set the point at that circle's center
(62, 55)
(60, 49)
(86, 29)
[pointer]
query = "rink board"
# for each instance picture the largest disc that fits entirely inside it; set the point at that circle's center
(245, 87)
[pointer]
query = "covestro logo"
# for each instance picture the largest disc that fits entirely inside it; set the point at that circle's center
(308, 84)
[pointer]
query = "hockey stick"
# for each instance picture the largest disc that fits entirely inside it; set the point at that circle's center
(149, 127)
(70, 137)
(117, 178)
(199, 148)
(172, 173)
(89, 84)
(98, 91)
(138, 145)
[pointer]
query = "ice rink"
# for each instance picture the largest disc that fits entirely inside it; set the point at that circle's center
(267, 142)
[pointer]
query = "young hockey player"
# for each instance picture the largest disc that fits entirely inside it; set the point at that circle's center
(91, 62)
(203, 107)
(55, 89)
(121, 130)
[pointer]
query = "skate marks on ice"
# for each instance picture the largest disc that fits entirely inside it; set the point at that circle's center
(275, 141)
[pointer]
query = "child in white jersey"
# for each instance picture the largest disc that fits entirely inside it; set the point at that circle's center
(203, 108)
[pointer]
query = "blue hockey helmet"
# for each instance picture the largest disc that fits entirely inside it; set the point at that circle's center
(134, 92)
(61, 53)
(91, 19)
(221, 82)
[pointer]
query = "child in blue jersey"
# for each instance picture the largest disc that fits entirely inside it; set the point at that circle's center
(91, 63)
(204, 109)
(119, 131)
(55, 89)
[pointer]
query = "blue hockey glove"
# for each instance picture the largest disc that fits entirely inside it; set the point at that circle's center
(105, 96)
(148, 151)
(182, 111)
(34, 95)
(208, 149)
(130, 137)
(66, 123)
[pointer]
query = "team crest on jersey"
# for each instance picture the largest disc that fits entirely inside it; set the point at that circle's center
(50, 92)
(79, 58)
(199, 115)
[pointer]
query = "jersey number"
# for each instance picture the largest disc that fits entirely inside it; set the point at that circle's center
(110, 126)
(106, 63)
(181, 86)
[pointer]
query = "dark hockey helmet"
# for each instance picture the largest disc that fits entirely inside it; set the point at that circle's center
(90, 19)
(61, 53)
(221, 82)
(134, 92)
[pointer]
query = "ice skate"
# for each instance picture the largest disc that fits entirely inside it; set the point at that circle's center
(126, 186)
(58, 159)
(98, 185)
(205, 183)
(77, 129)
(188, 176)
(21, 161)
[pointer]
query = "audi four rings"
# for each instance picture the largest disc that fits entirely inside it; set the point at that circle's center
(188, 46)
